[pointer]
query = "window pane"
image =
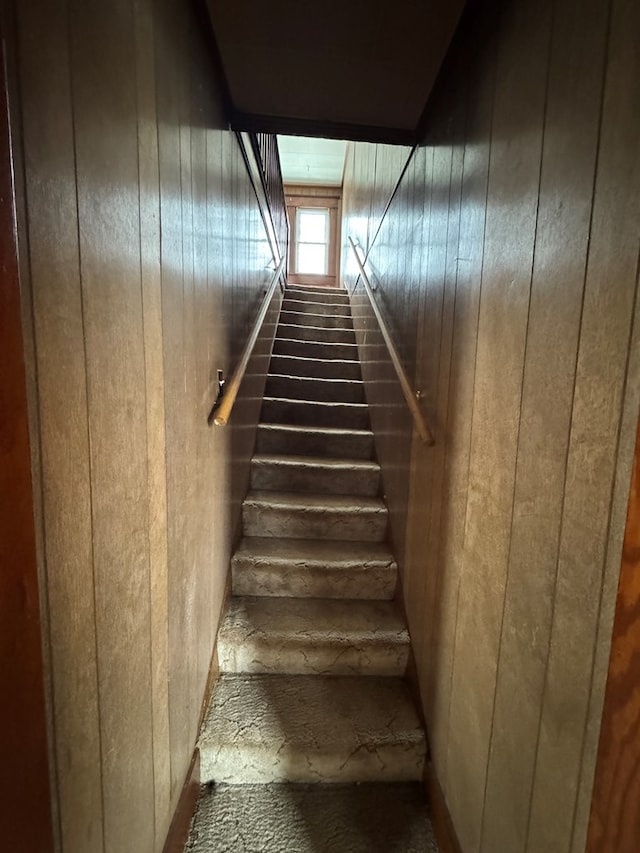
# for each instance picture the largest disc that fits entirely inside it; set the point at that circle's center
(312, 225)
(312, 259)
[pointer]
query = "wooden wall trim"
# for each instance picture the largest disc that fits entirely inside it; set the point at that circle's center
(25, 806)
(179, 829)
(287, 126)
(324, 191)
(614, 824)
(440, 817)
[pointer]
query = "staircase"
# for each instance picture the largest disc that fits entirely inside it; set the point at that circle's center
(313, 648)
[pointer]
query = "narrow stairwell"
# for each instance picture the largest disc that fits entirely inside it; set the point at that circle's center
(313, 648)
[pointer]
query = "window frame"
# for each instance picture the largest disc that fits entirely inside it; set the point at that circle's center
(307, 198)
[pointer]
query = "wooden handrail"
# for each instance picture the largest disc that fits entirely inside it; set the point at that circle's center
(228, 391)
(409, 395)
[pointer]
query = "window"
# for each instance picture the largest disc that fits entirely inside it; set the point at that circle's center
(312, 245)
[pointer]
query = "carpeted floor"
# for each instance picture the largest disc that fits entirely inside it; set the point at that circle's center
(312, 818)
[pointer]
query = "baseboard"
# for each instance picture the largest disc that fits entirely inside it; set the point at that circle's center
(440, 817)
(179, 829)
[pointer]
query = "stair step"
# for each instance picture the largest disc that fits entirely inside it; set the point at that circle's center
(291, 365)
(305, 306)
(313, 568)
(313, 636)
(315, 474)
(314, 388)
(311, 413)
(313, 516)
(314, 441)
(326, 350)
(293, 331)
(317, 294)
(310, 817)
(277, 728)
(318, 321)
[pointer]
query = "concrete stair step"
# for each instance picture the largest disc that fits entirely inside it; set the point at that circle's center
(326, 350)
(298, 728)
(314, 388)
(315, 474)
(317, 294)
(313, 636)
(312, 516)
(342, 309)
(311, 413)
(320, 321)
(293, 331)
(314, 441)
(320, 568)
(290, 365)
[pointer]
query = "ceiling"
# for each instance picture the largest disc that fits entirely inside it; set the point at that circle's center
(351, 69)
(312, 161)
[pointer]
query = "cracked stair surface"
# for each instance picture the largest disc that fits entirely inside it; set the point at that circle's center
(313, 516)
(306, 818)
(308, 473)
(313, 567)
(299, 728)
(313, 636)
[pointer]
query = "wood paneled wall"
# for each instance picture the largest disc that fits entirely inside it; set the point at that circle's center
(507, 265)
(144, 262)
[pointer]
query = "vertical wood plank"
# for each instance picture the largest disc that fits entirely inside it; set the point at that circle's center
(221, 441)
(449, 216)
(461, 382)
(154, 395)
(59, 330)
(422, 460)
(433, 635)
(168, 69)
(105, 118)
(514, 169)
(188, 575)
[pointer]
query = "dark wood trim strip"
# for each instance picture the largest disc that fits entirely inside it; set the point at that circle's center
(614, 824)
(179, 829)
(440, 817)
(287, 126)
(25, 801)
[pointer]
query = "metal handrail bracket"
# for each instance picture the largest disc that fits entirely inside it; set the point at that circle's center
(228, 391)
(410, 395)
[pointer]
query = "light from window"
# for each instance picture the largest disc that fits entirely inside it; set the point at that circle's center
(312, 244)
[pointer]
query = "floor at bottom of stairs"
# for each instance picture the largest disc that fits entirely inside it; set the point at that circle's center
(312, 818)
